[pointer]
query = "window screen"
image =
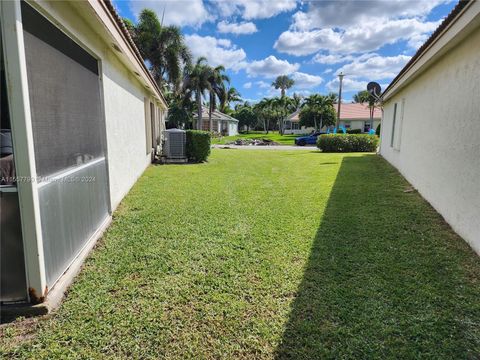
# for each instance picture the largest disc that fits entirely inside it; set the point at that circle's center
(65, 101)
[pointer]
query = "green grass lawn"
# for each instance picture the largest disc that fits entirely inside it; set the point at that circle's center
(268, 254)
(272, 135)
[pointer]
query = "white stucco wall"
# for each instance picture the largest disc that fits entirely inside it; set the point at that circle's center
(125, 124)
(233, 128)
(438, 151)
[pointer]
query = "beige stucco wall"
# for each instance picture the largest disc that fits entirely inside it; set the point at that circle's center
(438, 150)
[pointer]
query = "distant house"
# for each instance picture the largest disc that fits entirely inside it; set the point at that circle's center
(431, 125)
(222, 123)
(82, 119)
(352, 116)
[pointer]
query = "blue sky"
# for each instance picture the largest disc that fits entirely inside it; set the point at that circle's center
(312, 41)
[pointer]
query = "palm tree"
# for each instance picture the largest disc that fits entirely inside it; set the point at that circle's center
(318, 106)
(197, 83)
(227, 96)
(283, 82)
(162, 46)
(217, 81)
(362, 97)
(365, 97)
(297, 100)
(263, 109)
(282, 106)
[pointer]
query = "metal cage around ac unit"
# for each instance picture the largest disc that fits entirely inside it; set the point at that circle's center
(175, 142)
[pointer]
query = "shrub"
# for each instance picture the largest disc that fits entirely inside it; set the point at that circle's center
(354, 131)
(198, 145)
(347, 143)
(377, 131)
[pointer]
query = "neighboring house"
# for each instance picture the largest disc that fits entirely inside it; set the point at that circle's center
(431, 125)
(352, 116)
(222, 123)
(86, 118)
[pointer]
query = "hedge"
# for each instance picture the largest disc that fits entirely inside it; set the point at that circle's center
(354, 131)
(198, 145)
(347, 143)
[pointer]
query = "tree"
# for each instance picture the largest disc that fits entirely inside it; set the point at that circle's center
(228, 96)
(196, 83)
(365, 97)
(179, 112)
(317, 109)
(217, 81)
(297, 100)
(263, 110)
(362, 97)
(245, 115)
(282, 107)
(163, 47)
(283, 82)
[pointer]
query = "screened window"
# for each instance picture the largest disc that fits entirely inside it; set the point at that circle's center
(64, 89)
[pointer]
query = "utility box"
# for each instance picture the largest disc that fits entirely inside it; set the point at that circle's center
(174, 147)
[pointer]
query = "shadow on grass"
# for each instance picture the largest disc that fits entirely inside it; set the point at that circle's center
(386, 277)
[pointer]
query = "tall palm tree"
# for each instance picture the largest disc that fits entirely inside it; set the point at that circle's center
(283, 82)
(227, 96)
(217, 80)
(196, 83)
(163, 47)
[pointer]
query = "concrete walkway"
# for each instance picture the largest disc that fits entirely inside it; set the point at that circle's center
(270, 147)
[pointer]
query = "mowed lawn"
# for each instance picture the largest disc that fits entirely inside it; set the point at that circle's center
(268, 254)
(272, 135)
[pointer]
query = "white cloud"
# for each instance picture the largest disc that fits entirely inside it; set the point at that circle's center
(247, 85)
(328, 71)
(417, 40)
(375, 67)
(348, 85)
(331, 58)
(217, 51)
(237, 28)
(356, 26)
(270, 67)
(177, 12)
(263, 84)
(330, 14)
(356, 39)
(255, 9)
(303, 93)
(306, 81)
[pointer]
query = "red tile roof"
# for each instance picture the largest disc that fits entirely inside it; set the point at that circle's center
(348, 111)
(357, 111)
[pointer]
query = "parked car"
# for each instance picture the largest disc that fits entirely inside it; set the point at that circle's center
(308, 139)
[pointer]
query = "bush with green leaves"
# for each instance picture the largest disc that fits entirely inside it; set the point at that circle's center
(198, 145)
(347, 143)
(354, 131)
